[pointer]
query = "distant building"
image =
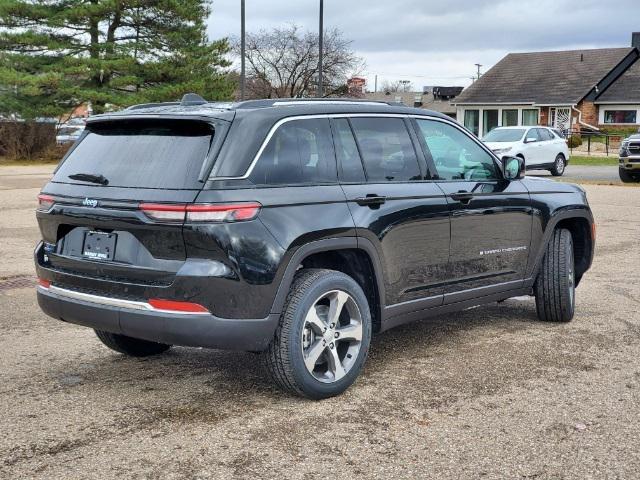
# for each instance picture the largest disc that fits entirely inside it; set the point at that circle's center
(568, 90)
(356, 86)
(438, 102)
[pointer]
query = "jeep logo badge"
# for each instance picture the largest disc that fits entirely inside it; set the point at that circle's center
(90, 202)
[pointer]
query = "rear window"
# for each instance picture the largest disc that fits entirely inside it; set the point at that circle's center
(141, 153)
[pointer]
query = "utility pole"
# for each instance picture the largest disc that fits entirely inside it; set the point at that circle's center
(478, 65)
(242, 48)
(375, 84)
(320, 48)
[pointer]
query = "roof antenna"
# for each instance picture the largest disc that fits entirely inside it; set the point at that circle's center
(192, 99)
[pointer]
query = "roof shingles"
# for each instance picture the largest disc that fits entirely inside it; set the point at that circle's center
(543, 77)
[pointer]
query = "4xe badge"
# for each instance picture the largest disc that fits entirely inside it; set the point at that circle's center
(90, 202)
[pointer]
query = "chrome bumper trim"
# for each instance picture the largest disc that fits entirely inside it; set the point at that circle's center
(111, 302)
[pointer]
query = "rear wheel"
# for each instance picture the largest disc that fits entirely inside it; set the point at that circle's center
(559, 165)
(322, 340)
(555, 286)
(133, 347)
(628, 177)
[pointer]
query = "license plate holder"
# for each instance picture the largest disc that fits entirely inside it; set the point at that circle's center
(99, 245)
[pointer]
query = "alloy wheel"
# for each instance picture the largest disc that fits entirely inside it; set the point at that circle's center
(331, 336)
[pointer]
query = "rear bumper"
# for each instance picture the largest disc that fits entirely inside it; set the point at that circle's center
(134, 320)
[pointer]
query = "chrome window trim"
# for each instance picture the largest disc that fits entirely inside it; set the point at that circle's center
(111, 302)
(282, 121)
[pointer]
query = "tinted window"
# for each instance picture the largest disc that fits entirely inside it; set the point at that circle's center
(347, 152)
(546, 134)
(386, 149)
(456, 155)
(299, 151)
(504, 135)
(141, 153)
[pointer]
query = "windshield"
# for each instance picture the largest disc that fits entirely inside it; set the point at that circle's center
(504, 135)
(141, 153)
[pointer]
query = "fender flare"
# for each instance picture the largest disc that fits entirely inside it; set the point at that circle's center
(325, 245)
(557, 217)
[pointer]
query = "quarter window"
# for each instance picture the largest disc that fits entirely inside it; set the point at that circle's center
(455, 154)
(299, 152)
(386, 149)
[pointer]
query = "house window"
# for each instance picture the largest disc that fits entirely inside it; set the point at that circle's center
(530, 116)
(619, 116)
(509, 118)
(489, 121)
(472, 120)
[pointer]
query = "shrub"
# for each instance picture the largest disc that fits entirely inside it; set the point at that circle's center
(574, 141)
(26, 140)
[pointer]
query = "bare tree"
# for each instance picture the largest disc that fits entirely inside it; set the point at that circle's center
(393, 86)
(283, 62)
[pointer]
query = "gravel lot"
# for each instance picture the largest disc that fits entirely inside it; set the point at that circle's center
(487, 393)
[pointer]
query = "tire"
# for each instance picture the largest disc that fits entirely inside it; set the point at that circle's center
(133, 347)
(559, 164)
(303, 358)
(555, 286)
(628, 177)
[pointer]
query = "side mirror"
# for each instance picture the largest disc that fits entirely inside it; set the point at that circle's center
(530, 140)
(513, 168)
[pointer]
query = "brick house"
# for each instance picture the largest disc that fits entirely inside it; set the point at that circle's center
(575, 89)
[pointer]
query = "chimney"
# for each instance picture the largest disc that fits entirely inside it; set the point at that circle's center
(635, 40)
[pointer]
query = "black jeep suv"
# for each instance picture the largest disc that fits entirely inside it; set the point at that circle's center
(295, 228)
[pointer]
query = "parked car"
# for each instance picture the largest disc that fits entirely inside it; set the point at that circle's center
(629, 159)
(297, 229)
(542, 148)
(70, 131)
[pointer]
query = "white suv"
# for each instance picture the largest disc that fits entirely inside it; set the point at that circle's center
(542, 148)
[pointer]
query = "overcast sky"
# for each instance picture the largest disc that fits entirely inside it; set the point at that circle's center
(437, 42)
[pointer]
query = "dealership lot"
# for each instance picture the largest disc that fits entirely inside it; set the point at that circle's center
(488, 393)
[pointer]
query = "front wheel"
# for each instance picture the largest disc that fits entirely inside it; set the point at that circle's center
(558, 166)
(628, 177)
(555, 286)
(323, 337)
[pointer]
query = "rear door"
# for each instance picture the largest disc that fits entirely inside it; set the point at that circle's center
(396, 207)
(490, 216)
(96, 225)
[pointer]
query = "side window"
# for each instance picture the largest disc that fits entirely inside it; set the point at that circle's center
(547, 135)
(456, 155)
(299, 152)
(347, 152)
(532, 135)
(387, 150)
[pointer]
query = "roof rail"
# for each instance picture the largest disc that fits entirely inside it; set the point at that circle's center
(275, 102)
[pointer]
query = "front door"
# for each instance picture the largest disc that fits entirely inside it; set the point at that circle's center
(490, 216)
(560, 118)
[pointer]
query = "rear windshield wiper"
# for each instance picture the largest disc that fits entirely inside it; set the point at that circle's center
(90, 177)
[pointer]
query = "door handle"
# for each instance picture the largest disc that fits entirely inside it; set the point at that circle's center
(371, 200)
(462, 196)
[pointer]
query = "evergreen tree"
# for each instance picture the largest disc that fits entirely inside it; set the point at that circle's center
(58, 54)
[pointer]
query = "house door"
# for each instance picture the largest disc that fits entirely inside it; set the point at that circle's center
(560, 118)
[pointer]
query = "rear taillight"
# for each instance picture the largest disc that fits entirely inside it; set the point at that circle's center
(164, 212)
(45, 202)
(593, 231)
(201, 212)
(177, 306)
